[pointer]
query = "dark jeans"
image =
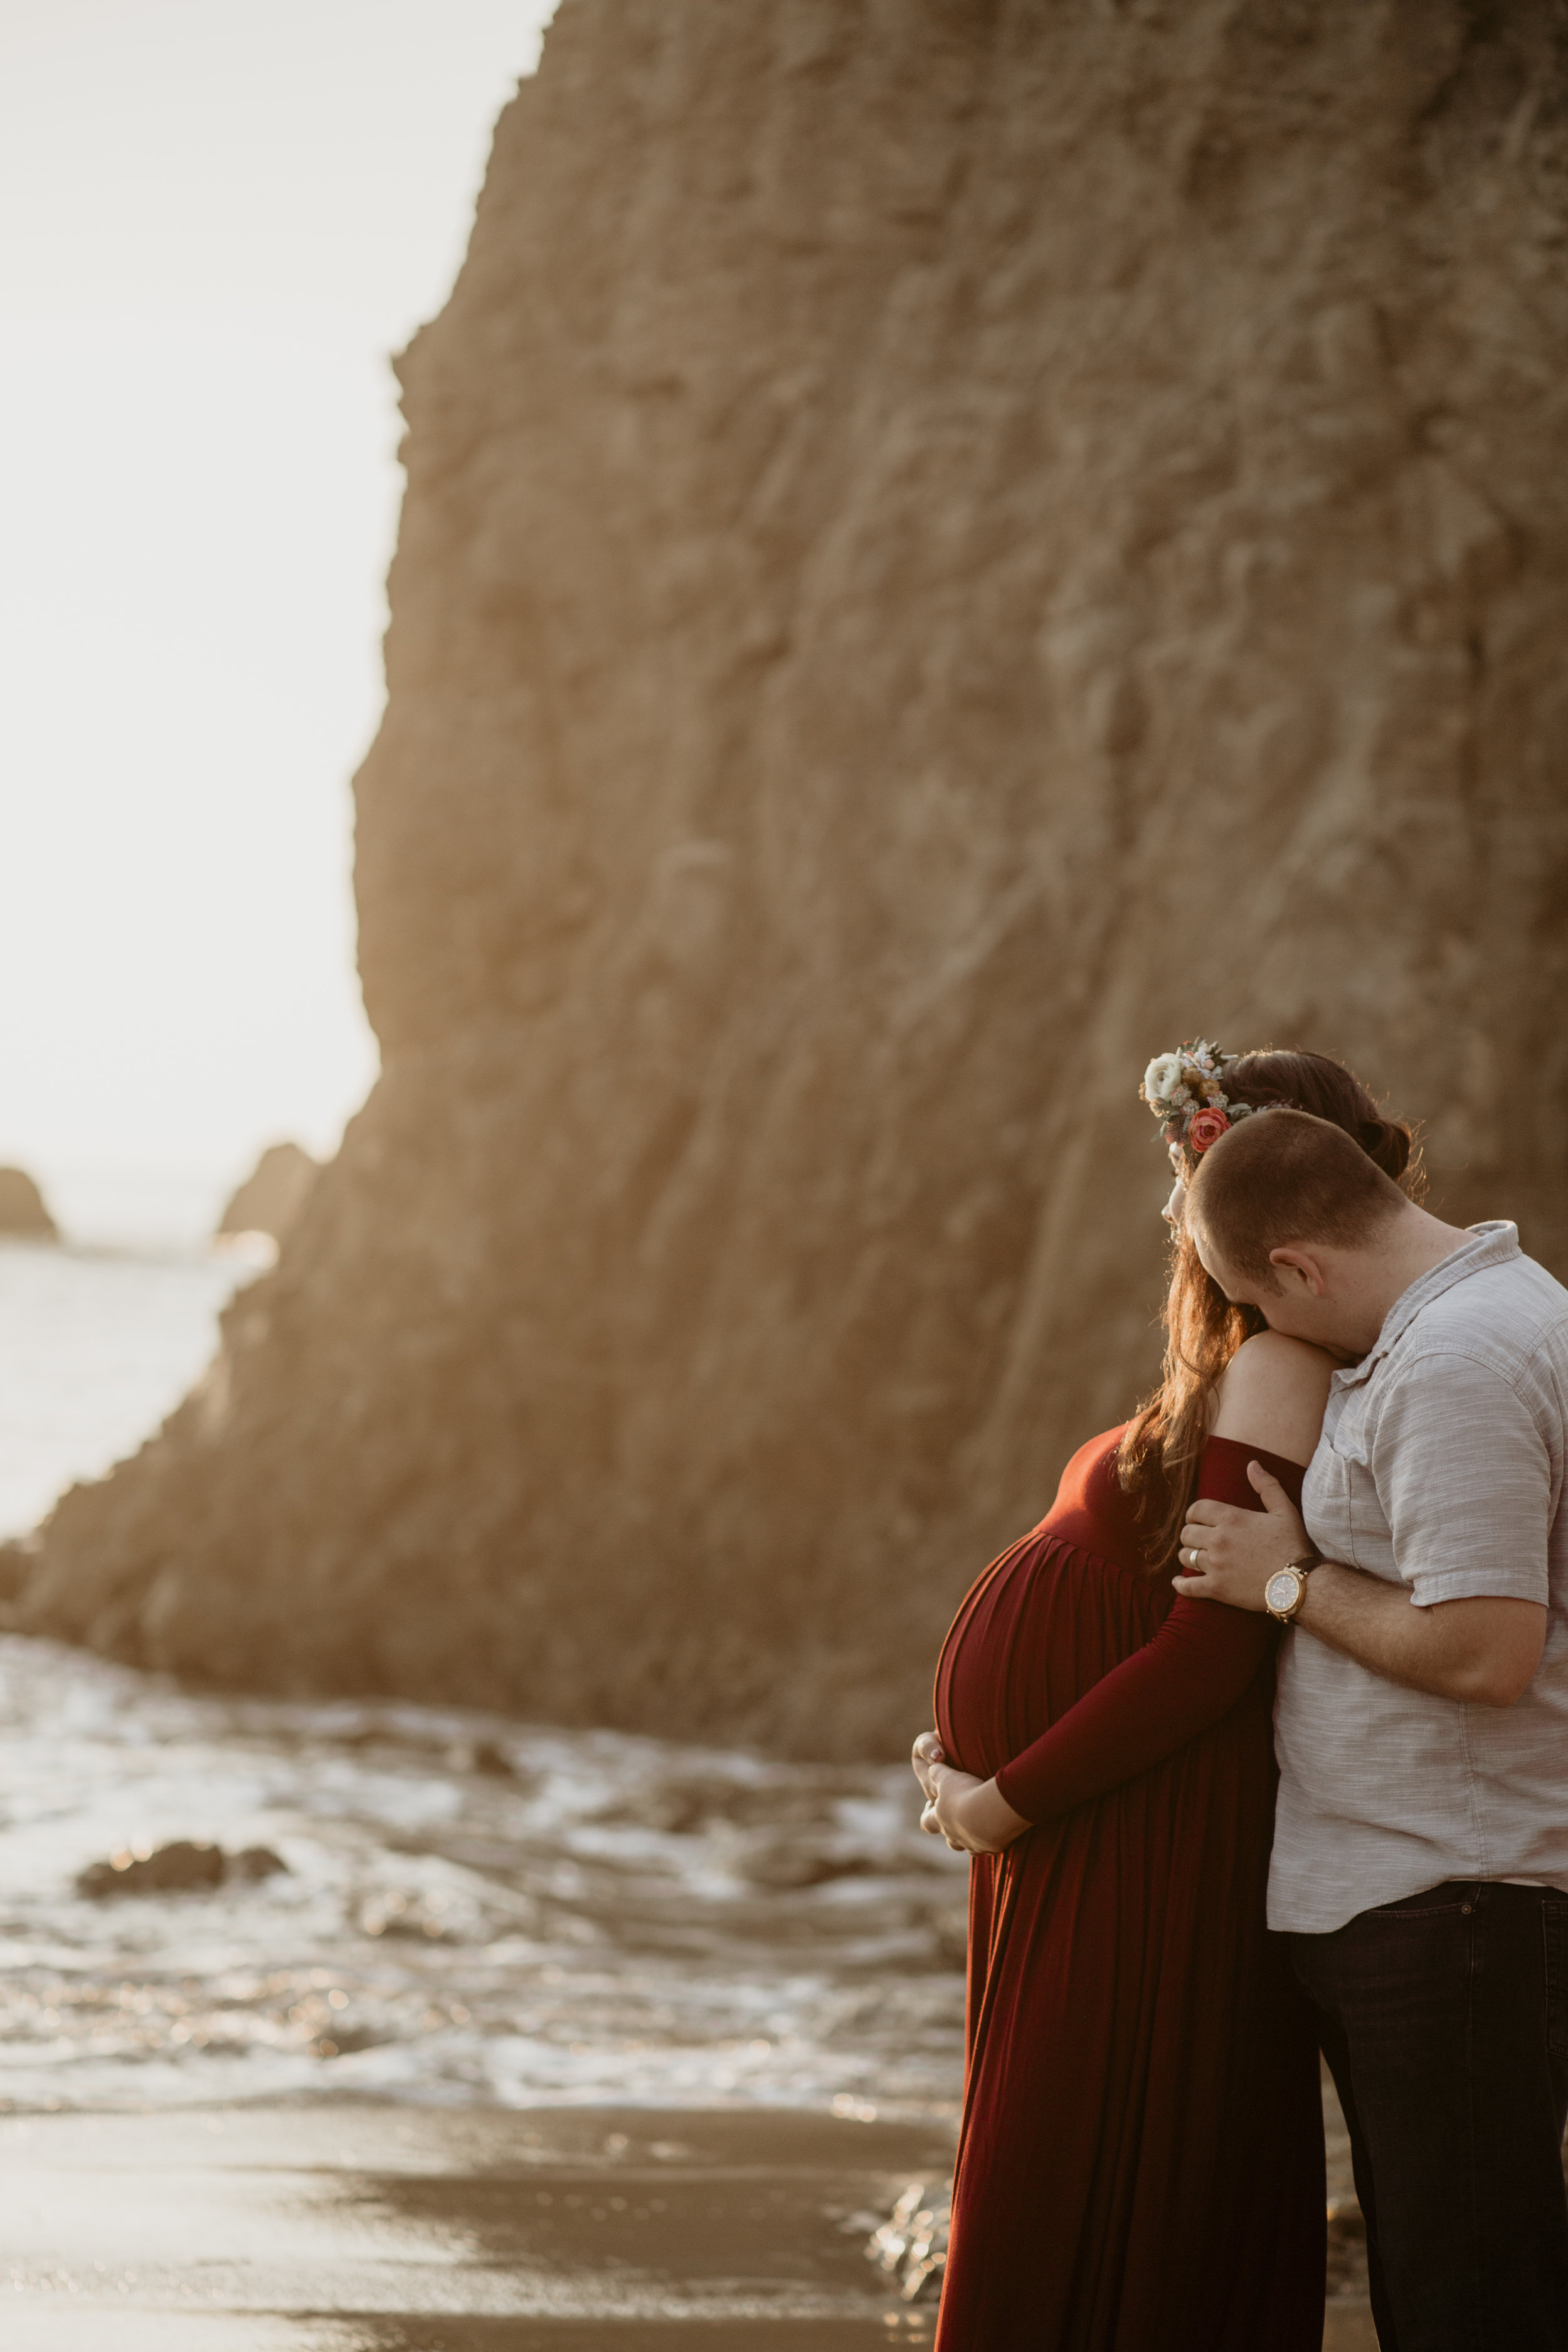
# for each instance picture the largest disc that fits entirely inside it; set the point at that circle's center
(1444, 2018)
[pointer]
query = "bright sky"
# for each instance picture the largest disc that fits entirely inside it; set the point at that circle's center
(217, 220)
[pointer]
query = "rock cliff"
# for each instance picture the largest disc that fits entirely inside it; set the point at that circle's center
(947, 547)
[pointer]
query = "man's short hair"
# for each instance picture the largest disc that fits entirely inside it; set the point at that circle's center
(1282, 1180)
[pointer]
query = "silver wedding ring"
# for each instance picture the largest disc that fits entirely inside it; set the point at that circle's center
(1194, 1556)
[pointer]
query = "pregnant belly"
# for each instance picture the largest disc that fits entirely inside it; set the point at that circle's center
(989, 1702)
(1039, 1630)
(960, 1703)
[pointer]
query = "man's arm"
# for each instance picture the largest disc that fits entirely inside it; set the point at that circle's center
(1485, 1649)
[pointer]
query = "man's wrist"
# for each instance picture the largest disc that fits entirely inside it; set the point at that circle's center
(1318, 1594)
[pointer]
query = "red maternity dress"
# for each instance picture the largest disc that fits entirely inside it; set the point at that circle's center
(1140, 2161)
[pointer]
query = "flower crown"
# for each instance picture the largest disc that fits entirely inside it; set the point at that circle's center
(1184, 1091)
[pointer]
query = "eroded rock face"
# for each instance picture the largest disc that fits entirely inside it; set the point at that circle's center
(947, 548)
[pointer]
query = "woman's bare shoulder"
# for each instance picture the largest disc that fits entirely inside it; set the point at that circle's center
(1271, 1394)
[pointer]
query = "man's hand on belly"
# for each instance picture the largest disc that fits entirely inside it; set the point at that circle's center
(973, 1815)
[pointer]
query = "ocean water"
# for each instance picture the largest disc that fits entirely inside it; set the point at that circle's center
(97, 1346)
(469, 1909)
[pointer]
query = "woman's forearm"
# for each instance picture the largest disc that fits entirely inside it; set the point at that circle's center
(989, 1819)
(1189, 1675)
(972, 1815)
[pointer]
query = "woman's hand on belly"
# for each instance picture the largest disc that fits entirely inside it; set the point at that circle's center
(973, 1815)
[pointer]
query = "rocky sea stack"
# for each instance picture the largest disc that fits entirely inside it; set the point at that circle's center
(947, 548)
(24, 1214)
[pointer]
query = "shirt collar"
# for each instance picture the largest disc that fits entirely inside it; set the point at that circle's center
(1491, 1244)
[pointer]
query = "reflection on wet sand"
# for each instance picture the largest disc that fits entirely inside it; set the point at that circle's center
(395, 2230)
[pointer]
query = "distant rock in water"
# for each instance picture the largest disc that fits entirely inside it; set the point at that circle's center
(947, 549)
(187, 1866)
(22, 1209)
(272, 1195)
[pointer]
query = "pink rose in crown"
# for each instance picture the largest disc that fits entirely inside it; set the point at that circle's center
(1206, 1128)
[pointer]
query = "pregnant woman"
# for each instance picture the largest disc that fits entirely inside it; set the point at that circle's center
(1140, 2161)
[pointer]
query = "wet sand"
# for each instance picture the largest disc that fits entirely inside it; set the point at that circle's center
(379, 2229)
(366, 2228)
(1347, 2325)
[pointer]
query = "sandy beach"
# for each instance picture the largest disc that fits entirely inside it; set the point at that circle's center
(367, 2228)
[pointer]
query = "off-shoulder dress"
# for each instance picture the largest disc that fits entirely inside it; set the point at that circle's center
(1141, 2157)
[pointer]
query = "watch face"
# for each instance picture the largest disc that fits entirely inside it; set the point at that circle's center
(1282, 1588)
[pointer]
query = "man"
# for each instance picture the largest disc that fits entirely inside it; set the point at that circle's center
(1420, 1863)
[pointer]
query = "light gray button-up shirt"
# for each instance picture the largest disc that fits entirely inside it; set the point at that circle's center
(1441, 1468)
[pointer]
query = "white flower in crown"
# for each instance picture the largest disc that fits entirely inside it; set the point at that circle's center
(1184, 1090)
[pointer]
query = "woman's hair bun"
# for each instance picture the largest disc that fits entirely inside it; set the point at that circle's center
(1386, 1141)
(1324, 1089)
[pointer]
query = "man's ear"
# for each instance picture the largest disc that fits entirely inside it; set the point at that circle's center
(1300, 1266)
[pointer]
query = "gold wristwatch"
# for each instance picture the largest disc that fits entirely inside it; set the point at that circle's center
(1283, 1594)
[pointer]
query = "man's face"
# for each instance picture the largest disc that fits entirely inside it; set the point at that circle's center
(1289, 1306)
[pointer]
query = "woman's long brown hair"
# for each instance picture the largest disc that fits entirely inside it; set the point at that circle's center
(1163, 1445)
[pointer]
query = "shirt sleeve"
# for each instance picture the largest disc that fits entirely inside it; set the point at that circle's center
(1465, 1479)
(1189, 1674)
